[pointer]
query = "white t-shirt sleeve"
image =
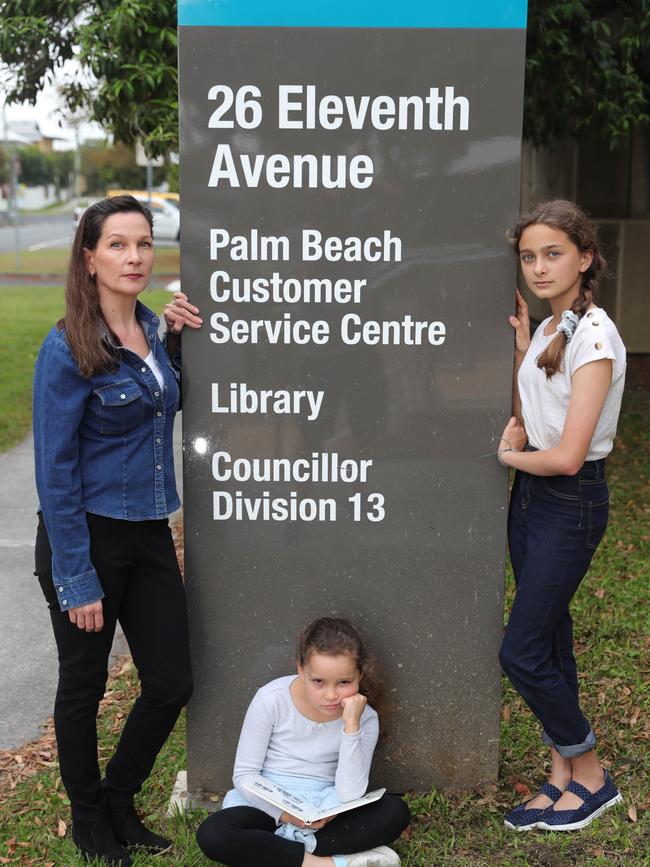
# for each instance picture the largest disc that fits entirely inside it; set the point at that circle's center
(251, 751)
(355, 758)
(590, 343)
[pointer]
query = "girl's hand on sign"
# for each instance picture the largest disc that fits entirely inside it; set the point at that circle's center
(514, 435)
(353, 707)
(521, 323)
(179, 313)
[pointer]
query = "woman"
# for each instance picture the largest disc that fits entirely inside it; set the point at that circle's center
(568, 389)
(105, 396)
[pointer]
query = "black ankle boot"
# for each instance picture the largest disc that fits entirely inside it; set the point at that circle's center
(132, 834)
(98, 840)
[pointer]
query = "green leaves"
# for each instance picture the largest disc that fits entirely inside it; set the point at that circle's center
(587, 69)
(127, 48)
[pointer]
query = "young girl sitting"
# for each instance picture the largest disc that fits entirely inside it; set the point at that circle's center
(313, 734)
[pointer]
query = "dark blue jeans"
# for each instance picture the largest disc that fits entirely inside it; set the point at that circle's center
(554, 527)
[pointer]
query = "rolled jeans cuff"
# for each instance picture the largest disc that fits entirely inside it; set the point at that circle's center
(573, 750)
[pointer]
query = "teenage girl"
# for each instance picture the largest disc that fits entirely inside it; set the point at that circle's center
(567, 396)
(314, 734)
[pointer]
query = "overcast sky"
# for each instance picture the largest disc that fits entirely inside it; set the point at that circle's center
(48, 113)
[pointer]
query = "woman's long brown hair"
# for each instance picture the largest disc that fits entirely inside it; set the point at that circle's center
(572, 220)
(83, 318)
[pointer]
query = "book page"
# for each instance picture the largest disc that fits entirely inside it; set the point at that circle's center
(300, 807)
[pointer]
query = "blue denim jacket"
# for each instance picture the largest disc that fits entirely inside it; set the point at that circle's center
(101, 445)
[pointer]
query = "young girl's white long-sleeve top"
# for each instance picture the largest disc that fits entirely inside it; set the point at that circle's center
(277, 738)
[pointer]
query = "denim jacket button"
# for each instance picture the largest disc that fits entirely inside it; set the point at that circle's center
(158, 467)
(60, 589)
(65, 602)
(143, 369)
(158, 413)
(156, 394)
(122, 396)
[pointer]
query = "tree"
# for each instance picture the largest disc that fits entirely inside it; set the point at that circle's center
(105, 166)
(587, 68)
(5, 168)
(126, 47)
(35, 169)
(38, 168)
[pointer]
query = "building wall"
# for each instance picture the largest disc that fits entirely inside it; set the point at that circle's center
(613, 186)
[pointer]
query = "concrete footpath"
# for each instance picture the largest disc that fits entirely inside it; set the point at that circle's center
(28, 661)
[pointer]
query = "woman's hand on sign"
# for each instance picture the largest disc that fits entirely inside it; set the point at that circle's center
(89, 617)
(179, 313)
(514, 435)
(521, 323)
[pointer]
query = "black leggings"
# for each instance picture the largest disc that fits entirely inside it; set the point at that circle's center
(245, 836)
(139, 574)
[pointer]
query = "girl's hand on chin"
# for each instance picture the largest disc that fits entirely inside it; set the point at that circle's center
(353, 707)
(514, 435)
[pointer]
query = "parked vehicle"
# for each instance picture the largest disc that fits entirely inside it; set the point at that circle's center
(138, 194)
(166, 217)
(166, 212)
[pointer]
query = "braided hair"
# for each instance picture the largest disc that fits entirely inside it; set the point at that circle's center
(572, 220)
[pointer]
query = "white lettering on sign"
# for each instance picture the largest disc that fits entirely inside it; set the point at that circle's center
(247, 401)
(299, 170)
(353, 249)
(299, 107)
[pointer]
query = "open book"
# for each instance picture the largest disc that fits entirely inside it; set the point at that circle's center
(297, 806)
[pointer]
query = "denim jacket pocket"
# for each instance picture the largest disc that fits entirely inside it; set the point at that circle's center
(121, 407)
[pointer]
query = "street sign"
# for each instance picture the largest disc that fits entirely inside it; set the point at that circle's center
(348, 172)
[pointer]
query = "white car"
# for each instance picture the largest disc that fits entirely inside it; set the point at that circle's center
(166, 217)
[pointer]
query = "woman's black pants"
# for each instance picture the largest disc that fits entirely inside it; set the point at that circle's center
(245, 836)
(137, 567)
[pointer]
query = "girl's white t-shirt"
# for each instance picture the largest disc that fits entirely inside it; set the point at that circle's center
(545, 402)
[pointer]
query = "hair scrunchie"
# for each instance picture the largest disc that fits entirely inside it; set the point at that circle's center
(568, 324)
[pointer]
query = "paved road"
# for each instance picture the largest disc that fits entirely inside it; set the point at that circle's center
(28, 664)
(27, 650)
(44, 230)
(37, 229)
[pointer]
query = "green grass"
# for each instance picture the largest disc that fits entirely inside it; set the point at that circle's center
(463, 830)
(28, 313)
(54, 260)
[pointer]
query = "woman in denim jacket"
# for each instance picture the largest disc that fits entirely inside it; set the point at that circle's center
(568, 389)
(105, 396)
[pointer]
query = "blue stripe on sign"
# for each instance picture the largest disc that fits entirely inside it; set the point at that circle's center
(353, 13)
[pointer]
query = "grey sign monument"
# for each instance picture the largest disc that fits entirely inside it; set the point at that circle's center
(347, 175)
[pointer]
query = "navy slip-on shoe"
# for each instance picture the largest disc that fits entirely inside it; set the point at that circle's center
(594, 804)
(521, 819)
